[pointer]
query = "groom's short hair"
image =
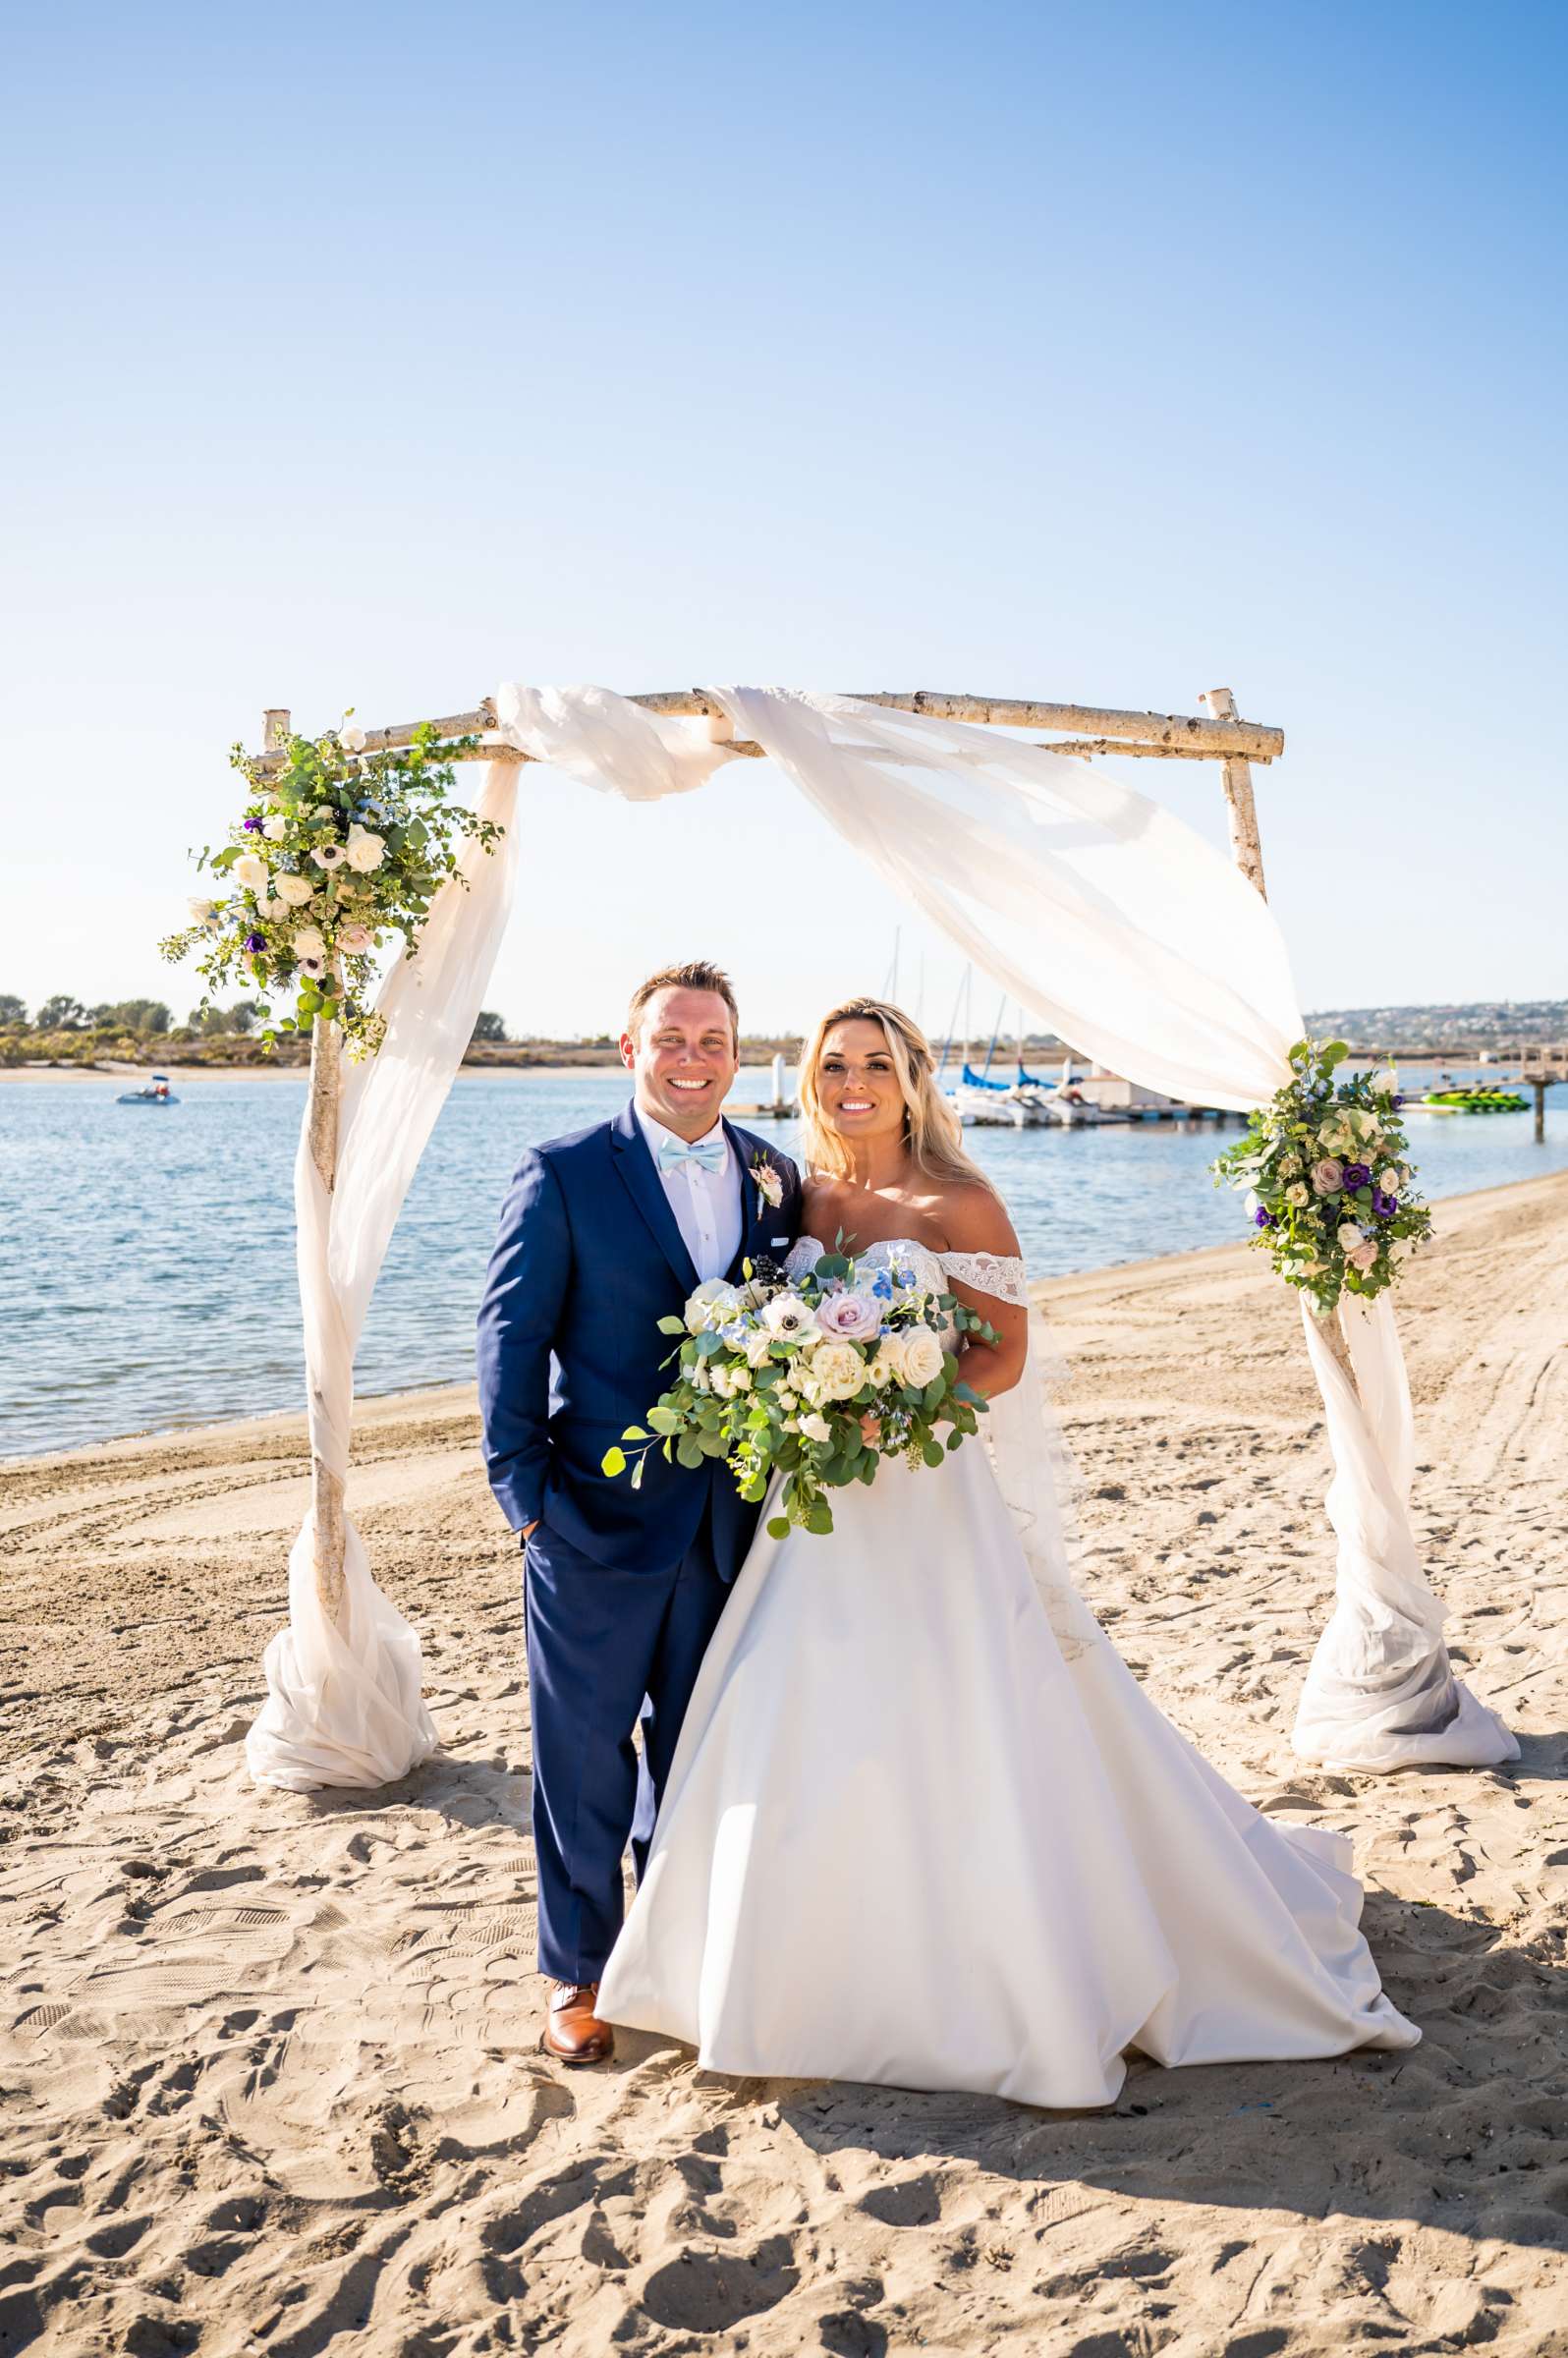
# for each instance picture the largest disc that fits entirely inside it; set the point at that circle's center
(697, 974)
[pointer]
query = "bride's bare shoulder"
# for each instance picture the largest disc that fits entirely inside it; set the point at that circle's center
(973, 1219)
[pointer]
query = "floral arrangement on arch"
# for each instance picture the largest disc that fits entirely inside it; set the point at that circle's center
(337, 850)
(1330, 1191)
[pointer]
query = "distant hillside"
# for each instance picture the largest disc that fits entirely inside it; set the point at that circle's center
(1467, 1023)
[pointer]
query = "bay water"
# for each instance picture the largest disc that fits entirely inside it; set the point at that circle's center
(146, 1256)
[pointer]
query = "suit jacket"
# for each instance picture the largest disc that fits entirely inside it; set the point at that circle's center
(587, 1260)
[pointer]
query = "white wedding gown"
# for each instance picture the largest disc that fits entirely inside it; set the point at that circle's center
(924, 1828)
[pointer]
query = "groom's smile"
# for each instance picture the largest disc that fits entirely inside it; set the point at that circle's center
(685, 1054)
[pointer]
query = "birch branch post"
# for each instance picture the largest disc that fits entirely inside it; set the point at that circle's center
(321, 1130)
(1247, 852)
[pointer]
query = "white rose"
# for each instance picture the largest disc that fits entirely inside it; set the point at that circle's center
(817, 1428)
(837, 1370)
(356, 939)
(720, 1378)
(713, 1304)
(740, 1379)
(250, 871)
(1386, 1079)
(1348, 1237)
(202, 911)
(923, 1357)
(294, 890)
(1388, 1179)
(886, 1363)
(785, 1397)
(1296, 1193)
(308, 943)
(365, 851)
(275, 827)
(350, 739)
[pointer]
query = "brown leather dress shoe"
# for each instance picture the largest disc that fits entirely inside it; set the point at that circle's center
(573, 2031)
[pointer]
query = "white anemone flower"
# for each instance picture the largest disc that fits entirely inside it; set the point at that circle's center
(329, 855)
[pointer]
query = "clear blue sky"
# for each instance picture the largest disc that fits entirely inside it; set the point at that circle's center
(372, 356)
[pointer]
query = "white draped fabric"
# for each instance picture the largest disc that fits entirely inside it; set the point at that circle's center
(1104, 916)
(345, 1706)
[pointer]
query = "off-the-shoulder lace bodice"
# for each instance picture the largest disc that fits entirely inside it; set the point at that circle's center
(996, 1273)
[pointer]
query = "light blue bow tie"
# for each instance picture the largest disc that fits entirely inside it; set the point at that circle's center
(713, 1153)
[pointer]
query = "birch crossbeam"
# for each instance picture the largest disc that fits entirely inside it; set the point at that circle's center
(1171, 735)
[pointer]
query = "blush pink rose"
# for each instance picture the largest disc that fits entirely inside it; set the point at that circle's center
(1361, 1256)
(850, 1317)
(1329, 1176)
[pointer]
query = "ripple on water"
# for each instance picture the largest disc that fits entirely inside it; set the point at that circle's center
(151, 1254)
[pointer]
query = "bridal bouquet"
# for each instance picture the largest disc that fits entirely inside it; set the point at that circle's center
(1329, 1189)
(776, 1374)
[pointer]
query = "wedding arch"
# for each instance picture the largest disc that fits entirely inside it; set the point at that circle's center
(1099, 910)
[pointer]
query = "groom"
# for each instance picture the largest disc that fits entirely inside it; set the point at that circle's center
(603, 1234)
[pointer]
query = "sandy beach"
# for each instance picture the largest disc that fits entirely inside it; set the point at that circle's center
(270, 2074)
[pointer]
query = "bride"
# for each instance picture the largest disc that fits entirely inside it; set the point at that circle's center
(923, 1825)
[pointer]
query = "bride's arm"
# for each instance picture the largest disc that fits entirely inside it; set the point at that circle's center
(977, 1224)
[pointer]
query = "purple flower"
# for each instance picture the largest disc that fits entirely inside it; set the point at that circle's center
(254, 824)
(1357, 1174)
(1383, 1205)
(255, 941)
(1399, 1099)
(1262, 1217)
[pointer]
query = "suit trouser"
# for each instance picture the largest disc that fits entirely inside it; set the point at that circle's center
(599, 1641)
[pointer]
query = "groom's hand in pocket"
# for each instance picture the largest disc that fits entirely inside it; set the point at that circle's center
(526, 1532)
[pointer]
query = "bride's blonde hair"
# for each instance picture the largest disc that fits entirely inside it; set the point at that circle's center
(932, 1130)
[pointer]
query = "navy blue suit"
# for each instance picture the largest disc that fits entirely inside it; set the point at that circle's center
(623, 1586)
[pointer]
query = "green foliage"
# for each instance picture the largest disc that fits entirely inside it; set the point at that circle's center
(1330, 1189)
(336, 856)
(60, 1014)
(779, 1393)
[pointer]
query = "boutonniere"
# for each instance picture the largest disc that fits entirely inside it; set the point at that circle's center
(769, 1186)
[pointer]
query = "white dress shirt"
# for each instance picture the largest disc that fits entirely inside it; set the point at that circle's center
(706, 1203)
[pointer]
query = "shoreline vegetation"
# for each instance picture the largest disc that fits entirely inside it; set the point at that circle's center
(64, 1038)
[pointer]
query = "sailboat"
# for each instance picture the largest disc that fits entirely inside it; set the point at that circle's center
(995, 1105)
